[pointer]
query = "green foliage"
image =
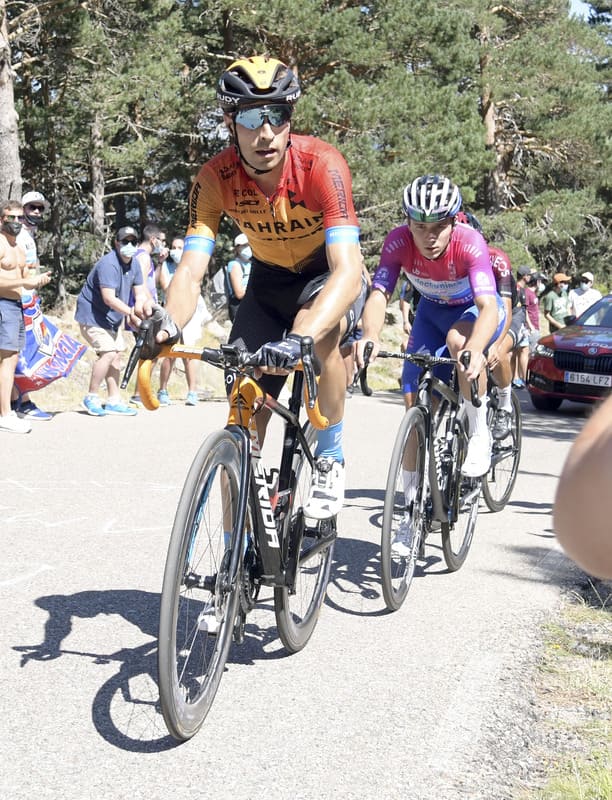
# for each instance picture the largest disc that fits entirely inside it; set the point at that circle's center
(400, 88)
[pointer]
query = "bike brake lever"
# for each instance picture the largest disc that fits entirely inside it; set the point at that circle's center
(135, 354)
(465, 360)
(309, 366)
(367, 352)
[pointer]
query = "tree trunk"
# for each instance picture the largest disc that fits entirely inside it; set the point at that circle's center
(10, 164)
(97, 179)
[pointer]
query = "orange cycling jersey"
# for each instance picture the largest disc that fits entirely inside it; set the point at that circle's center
(312, 205)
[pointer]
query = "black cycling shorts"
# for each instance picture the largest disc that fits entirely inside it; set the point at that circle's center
(273, 297)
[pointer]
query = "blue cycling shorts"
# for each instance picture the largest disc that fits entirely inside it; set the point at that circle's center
(430, 328)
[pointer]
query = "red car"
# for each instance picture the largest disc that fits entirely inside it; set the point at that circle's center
(576, 362)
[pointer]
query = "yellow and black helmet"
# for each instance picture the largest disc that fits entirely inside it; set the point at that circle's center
(248, 81)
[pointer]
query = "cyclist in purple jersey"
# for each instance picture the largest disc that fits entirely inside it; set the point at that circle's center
(448, 263)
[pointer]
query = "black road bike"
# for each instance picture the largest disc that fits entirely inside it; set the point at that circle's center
(431, 442)
(238, 527)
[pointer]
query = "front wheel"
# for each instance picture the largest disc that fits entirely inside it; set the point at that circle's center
(463, 496)
(297, 608)
(498, 483)
(404, 509)
(200, 593)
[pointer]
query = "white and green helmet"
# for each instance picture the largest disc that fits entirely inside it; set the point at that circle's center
(431, 198)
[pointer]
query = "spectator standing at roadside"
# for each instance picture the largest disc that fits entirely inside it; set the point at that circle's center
(150, 255)
(520, 351)
(191, 334)
(555, 303)
(34, 206)
(532, 307)
(14, 279)
(101, 311)
(583, 296)
(237, 272)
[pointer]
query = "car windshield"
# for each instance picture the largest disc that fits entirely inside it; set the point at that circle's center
(599, 314)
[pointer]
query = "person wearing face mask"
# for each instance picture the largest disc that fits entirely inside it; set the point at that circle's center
(237, 272)
(15, 278)
(555, 303)
(583, 296)
(35, 205)
(191, 334)
(102, 310)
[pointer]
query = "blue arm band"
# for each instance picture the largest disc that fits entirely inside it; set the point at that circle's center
(342, 234)
(199, 244)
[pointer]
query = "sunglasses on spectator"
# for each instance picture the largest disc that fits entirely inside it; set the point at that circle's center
(253, 118)
(14, 217)
(35, 208)
(128, 241)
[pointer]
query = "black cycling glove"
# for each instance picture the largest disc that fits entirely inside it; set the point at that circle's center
(285, 354)
(159, 321)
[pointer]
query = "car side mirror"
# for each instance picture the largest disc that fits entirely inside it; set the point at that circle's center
(570, 320)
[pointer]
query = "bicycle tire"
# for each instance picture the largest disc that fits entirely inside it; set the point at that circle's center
(196, 578)
(297, 610)
(397, 571)
(463, 496)
(498, 483)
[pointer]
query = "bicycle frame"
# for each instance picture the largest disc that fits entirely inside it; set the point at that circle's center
(268, 490)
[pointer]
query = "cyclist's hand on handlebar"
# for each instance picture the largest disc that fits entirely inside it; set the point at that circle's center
(279, 358)
(362, 344)
(477, 363)
(161, 329)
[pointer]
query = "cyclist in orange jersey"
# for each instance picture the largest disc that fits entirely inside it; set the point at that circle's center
(292, 196)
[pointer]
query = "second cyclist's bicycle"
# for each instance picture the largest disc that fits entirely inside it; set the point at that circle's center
(429, 450)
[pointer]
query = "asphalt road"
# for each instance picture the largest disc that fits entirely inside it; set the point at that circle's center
(416, 704)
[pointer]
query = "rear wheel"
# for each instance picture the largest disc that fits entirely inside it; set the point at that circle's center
(404, 520)
(199, 600)
(297, 608)
(463, 495)
(498, 483)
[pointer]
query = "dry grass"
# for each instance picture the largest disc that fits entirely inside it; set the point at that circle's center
(575, 698)
(66, 394)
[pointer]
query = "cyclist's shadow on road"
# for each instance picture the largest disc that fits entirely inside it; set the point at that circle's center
(355, 582)
(125, 710)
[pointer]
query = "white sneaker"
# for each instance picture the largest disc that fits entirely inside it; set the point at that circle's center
(478, 459)
(327, 489)
(13, 424)
(402, 542)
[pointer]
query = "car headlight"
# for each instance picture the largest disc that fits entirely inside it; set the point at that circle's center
(543, 350)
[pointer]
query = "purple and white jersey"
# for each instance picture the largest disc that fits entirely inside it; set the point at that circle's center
(462, 273)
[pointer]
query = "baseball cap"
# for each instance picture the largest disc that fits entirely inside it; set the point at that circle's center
(588, 276)
(561, 277)
(522, 271)
(35, 198)
(124, 232)
(241, 239)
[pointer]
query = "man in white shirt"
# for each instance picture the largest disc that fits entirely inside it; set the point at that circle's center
(584, 295)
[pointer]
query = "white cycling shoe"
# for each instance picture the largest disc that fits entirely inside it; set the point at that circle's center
(402, 542)
(327, 489)
(478, 458)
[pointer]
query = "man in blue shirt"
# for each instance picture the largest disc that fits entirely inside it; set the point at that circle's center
(101, 310)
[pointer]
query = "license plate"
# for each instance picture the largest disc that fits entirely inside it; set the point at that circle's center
(588, 379)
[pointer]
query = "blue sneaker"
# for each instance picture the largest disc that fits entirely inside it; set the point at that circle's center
(31, 411)
(119, 410)
(164, 398)
(92, 405)
(192, 399)
(136, 401)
